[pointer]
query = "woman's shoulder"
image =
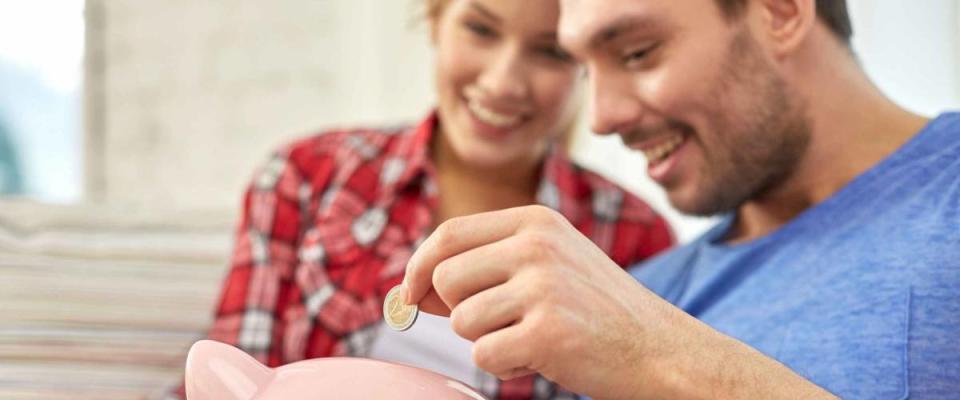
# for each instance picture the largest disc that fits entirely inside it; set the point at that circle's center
(326, 159)
(323, 150)
(363, 143)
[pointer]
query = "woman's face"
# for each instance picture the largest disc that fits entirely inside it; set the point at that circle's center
(505, 87)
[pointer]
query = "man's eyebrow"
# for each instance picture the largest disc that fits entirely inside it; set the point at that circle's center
(620, 27)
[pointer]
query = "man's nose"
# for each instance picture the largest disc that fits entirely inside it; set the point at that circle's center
(614, 107)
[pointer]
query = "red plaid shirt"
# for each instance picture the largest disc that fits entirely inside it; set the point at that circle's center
(330, 222)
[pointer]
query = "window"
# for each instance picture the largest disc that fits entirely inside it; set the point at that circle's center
(41, 57)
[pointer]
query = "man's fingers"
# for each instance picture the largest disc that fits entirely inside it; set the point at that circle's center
(487, 311)
(519, 372)
(461, 234)
(505, 352)
(473, 271)
(433, 304)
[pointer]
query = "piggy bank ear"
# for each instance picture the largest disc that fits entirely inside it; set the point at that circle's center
(217, 371)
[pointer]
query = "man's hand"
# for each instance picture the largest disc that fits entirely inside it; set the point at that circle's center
(533, 293)
(537, 296)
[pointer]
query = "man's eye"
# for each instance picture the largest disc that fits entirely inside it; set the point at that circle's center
(638, 56)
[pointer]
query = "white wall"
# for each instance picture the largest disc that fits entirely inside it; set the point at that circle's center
(912, 50)
(196, 94)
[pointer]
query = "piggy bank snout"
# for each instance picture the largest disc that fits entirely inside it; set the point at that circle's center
(217, 371)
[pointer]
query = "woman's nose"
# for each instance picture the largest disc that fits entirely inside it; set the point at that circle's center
(505, 76)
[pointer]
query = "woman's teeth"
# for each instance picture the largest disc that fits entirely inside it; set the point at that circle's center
(661, 151)
(491, 117)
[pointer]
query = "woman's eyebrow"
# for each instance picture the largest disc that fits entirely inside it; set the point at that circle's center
(485, 11)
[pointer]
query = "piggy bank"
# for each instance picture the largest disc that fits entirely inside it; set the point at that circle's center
(217, 371)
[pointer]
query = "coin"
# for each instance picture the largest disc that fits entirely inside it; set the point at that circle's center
(399, 315)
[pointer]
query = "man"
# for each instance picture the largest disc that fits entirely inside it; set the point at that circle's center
(836, 271)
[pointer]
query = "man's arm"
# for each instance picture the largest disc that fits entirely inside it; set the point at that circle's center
(536, 296)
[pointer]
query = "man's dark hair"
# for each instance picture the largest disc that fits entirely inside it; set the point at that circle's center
(833, 13)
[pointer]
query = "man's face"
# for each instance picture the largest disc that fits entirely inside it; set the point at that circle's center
(694, 91)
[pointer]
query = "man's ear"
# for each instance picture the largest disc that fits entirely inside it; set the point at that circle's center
(786, 24)
(217, 371)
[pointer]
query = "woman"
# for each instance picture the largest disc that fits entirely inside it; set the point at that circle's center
(331, 221)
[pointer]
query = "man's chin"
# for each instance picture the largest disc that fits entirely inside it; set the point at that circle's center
(693, 205)
(683, 204)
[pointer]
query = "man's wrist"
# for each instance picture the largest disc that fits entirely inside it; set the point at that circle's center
(695, 361)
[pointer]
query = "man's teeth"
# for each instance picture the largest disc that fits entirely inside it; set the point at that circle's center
(663, 150)
(494, 118)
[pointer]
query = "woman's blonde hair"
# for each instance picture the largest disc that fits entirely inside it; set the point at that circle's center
(435, 8)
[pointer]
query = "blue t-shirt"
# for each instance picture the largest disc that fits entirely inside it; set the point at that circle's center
(860, 294)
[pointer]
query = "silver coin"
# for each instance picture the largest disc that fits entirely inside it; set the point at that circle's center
(398, 315)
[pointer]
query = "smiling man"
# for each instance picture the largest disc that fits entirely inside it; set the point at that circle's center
(835, 270)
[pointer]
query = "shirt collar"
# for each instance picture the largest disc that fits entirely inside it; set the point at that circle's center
(414, 147)
(561, 187)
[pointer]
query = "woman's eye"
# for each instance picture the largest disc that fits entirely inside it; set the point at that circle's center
(481, 30)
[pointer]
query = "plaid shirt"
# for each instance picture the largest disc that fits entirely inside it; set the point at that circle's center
(330, 222)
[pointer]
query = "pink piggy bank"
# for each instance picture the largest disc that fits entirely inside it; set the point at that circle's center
(217, 371)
